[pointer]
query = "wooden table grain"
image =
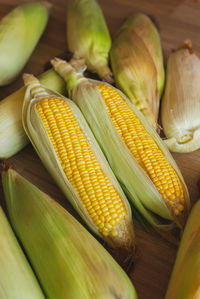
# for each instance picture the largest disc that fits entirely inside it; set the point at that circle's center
(176, 20)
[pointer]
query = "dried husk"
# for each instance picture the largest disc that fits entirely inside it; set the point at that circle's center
(185, 279)
(138, 186)
(135, 72)
(88, 36)
(181, 100)
(147, 31)
(68, 261)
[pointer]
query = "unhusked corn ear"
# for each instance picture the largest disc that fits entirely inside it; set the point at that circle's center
(12, 135)
(134, 150)
(20, 31)
(185, 281)
(81, 170)
(147, 31)
(68, 261)
(181, 100)
(135, 72)
(88, 36)
(17, 280)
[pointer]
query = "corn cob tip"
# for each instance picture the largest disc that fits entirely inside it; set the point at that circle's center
(46, 4)
(109, 77)
(55, 61)
(4, 165)
(29, 78)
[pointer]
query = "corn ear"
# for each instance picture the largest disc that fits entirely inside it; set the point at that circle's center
(185, 279)
(68, 261)
(12, 135)
(135, 72)
(20, 31)
(16, 276)
(137, 184)
(122, 237)
(181, 100)
(147, 31)
(88, 36)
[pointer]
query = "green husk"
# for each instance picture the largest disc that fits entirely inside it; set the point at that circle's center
(17, 280)
(185, 279)
(147, 31)
(20, 31)
(68, 261)
(88, 36)
(135, 72)
(35, 130)
(138, 186)
(12, 135)
(181, 100)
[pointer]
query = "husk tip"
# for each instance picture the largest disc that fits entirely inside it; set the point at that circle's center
(29, 78)
(187, 44)
(5, 165)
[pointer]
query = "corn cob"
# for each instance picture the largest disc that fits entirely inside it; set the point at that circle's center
(134, 150)
(185, 279)
(18, 37)
(64, 142)
(147, 31)
(135, 72)
(68, 261)
(181, 101)
(88, 36)
(12, 135)
(16, 277)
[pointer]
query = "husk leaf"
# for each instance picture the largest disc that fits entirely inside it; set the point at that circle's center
(17, 279)
(75, 264)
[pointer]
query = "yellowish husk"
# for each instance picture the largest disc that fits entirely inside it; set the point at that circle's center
(181, 101)
(136, 183)
(12, 135)
(68, 261)
(185, 279)
(17, 280)
(38, 136)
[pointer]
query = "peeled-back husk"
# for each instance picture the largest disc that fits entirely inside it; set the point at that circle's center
(181, 101)
(147, 31)
(185, 279)
(88, 36)
(138, 186)
(68, 261)
(135, 72)
(38, 136)
(17, 280)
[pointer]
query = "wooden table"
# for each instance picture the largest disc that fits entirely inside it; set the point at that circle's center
(177, 20)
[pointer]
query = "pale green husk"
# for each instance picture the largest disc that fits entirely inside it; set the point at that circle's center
(147, 31)
(140, 189)
(20, 31)
(181, 101)
(68, 261)
(185, 279)
(88, 36)
(37, 134)
(12, 135)
(17, 280)
(135, 72)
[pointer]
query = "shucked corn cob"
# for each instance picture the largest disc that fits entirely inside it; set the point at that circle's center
(185, 279)
(12, 135)
(69, 151)
(135, 152)
(17, 280)
(68, 261)
(20, 31)
(88, 36)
